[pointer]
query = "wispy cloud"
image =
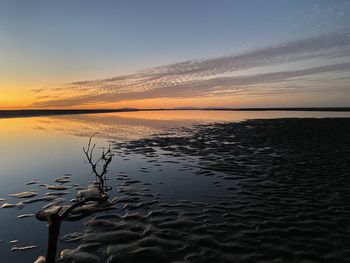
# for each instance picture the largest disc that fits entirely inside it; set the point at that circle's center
(37, 90)
(215, 76)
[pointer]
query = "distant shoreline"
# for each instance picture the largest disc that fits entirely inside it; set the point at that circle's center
(38, 113)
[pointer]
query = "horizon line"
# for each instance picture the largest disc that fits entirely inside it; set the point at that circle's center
(49, 112)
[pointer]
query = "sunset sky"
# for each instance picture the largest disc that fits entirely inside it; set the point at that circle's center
(162, 53)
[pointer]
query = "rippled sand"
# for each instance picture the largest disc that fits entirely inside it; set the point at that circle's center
(282, 195)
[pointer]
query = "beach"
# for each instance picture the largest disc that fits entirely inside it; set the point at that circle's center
(279, 194)
(211, 187)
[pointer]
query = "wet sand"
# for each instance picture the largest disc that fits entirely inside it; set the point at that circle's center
(272, 190)
(282, 195)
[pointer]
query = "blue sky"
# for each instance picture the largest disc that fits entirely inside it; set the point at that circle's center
(47, 43)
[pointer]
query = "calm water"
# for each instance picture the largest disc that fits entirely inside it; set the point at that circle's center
(49, 147)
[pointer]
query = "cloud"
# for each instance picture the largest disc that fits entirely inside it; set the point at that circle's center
(37, 90)
(206, 77)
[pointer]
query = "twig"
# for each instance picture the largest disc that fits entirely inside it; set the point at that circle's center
(105, 158)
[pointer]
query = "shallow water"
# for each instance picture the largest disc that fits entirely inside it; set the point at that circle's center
(49, 147)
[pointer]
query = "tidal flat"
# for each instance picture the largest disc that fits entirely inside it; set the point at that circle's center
(259, 190)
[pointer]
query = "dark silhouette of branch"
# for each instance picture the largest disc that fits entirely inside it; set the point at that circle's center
(56, 216)
(105, 159)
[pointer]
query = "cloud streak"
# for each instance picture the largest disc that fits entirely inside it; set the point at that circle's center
(209, 77)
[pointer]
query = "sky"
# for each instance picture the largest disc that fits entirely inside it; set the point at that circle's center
(183, 53)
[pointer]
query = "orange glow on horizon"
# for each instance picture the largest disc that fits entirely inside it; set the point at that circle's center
(20, 98)
(23, 100)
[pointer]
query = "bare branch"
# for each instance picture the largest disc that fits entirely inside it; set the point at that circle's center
(104, 160)
(55, 216)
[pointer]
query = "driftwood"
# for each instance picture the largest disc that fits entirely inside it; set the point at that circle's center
(55, 218)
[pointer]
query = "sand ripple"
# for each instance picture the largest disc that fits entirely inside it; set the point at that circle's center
(285, 198)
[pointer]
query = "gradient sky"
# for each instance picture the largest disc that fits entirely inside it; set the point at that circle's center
(162, 53)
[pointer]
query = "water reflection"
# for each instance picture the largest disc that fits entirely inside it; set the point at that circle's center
(134, 125)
